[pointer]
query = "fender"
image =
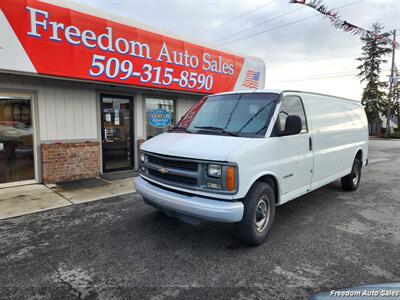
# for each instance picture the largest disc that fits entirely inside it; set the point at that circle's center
(362, 154)
(262, 174)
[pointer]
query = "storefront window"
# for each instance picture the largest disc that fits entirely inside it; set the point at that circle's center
(16, 140)
(160, 115)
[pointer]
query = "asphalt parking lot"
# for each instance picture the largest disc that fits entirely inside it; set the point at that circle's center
(120, 248)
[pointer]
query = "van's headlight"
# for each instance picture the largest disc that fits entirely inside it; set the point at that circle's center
(214, 170)
(141, 156)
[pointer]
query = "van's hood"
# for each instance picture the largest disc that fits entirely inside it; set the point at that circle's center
(199, 146)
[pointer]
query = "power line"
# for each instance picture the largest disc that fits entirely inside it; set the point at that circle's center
(259, 24)
(234, 18)
(287, 24)
(272, 29)
(326, 76)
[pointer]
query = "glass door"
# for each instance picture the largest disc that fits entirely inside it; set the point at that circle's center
(117, 132)
(17, 162)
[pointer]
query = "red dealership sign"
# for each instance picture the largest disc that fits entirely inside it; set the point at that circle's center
(53, 40)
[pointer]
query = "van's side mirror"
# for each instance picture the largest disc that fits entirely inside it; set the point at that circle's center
(292, 126)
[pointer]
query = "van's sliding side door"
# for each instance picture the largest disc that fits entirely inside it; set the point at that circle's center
(295, 152)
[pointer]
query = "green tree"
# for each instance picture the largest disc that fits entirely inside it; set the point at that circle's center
(374, 96)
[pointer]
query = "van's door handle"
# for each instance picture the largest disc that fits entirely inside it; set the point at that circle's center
(310, 143)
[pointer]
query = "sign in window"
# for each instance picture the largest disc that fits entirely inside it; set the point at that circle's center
(160, 115)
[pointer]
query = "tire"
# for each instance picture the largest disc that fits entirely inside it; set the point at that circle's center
(258, 215)
(352, 181)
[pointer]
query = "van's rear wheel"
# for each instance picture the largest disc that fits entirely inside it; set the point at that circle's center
(258, 215)
(352, 181)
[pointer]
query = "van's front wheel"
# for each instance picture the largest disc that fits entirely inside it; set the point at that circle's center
(352, 181)
(258, 215)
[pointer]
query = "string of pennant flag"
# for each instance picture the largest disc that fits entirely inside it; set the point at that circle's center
(339, 23)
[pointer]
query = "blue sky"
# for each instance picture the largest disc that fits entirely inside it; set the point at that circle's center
(308, 55)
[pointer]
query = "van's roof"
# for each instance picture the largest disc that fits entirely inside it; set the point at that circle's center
(280, 91)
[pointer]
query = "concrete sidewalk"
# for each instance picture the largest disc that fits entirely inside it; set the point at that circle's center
(22, 200)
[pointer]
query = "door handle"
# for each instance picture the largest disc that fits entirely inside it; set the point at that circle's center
(310, 143)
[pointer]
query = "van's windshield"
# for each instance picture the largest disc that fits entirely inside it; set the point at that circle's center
(246, 115)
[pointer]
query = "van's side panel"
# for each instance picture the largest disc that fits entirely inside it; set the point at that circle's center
(327, 121)
(355, 133)
(337, 132)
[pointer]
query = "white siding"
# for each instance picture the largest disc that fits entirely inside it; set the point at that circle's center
(67, 110)
(139, 117)
(139, 123)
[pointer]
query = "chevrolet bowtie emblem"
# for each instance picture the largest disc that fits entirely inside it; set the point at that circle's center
(163, 171)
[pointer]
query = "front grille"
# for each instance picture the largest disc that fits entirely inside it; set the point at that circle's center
(172, 177)
(172, 163)
(181, 171)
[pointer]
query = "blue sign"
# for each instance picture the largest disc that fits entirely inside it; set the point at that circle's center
(160, 118)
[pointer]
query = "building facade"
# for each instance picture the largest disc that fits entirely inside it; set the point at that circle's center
(78, 97)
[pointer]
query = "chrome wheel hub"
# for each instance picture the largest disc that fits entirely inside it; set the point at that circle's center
(262, 214)
(356, 175)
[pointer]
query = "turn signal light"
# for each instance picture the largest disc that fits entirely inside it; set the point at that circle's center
(230, 179)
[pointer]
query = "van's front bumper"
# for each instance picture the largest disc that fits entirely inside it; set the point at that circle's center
(194, 206)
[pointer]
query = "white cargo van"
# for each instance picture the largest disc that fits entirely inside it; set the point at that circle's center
(235, 156)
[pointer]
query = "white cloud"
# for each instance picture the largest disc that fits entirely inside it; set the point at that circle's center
(295, 55)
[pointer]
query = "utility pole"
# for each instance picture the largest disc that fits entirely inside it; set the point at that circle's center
(398, 109)
(390, 96)
(396, 95)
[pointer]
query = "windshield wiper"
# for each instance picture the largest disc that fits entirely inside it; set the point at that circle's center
(216, 129)
(182, 129)
(254, 116)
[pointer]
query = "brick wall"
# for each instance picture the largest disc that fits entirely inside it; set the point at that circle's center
(70, 161)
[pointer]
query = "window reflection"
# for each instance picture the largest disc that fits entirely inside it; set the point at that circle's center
(16, 140)
(117, 150)
(159, 123)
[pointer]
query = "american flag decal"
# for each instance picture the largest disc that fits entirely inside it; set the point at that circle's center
(252, 79)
